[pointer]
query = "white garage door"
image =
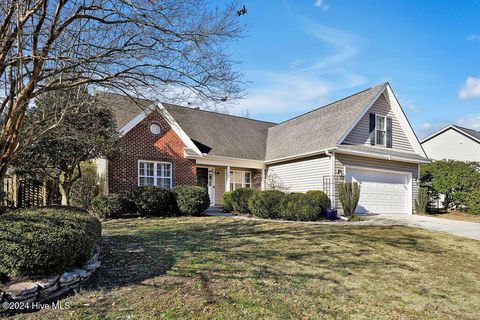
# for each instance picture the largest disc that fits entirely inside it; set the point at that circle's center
(381, 191)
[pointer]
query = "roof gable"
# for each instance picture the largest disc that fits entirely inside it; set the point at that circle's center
(360, 134)
(321, 128)
(400, 116)
(470, 133)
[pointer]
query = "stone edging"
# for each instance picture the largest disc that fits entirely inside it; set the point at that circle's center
(23, 295)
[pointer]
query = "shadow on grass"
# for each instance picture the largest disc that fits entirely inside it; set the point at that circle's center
(140, 250)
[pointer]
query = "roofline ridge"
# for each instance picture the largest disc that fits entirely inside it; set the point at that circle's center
(461, 127)
(331, 103)
(219, 113)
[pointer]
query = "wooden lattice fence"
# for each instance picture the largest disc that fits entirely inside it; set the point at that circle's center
(19, 192)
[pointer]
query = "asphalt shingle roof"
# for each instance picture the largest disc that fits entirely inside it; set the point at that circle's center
(225, 135)
(384, 151)
(471, 132)
(318, 129)
(222, 135)
(124, 108)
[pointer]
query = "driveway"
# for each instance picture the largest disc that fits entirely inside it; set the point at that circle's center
(460, 228)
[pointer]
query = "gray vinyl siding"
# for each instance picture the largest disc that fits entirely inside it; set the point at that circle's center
(343, 160)
(301, 175)
(361, 133)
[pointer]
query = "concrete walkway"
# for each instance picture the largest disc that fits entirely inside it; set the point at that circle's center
(459, 228)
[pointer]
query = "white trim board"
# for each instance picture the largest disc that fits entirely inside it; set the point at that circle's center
(360, 116)
(381, 156)
(451, 126)
(399, 115)
(170, 120)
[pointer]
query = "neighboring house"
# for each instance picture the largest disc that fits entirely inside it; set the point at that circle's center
(364, 137)
(453, 143)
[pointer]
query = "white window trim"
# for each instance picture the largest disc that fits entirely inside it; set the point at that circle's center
(384, 130)
(232, 179)
(155, 177)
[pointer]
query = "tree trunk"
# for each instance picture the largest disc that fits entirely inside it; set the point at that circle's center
(65, 191)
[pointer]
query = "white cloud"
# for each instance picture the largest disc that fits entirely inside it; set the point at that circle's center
(280, 92)
(473, 37)
(409, 104)
(305, 83)
(471, 89)
(426, 126)
(321, 4)
(471, 122)
(344, 44)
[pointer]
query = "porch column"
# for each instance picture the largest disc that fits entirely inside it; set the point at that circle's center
(262, 186)
(227, 183)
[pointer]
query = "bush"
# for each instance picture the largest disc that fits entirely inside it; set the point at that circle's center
(421, 203)
(299, 206)
(191, 199)
(46, 240)
(86, 188)
(240, 199)
(112, 205)
(154, 201)
(349, 194)
(472, 202)
(227, 201)
(267, 204)
(322, 200)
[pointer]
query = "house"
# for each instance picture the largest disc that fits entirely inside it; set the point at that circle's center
(453, 143)
(365, 137)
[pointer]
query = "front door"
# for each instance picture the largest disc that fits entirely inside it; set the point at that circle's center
(206, 179)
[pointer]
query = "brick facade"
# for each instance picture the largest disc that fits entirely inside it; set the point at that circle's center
(140, 144)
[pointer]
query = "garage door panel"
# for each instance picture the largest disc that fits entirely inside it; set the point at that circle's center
(381, 192)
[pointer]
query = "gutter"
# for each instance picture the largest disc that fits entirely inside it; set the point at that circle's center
(302, 155)
(386, 156)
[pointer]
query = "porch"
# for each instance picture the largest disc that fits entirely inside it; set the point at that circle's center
(220, 179)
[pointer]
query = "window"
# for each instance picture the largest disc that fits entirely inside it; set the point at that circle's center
(151, 173)
(380, 130)
(240, 179)
(155, 129)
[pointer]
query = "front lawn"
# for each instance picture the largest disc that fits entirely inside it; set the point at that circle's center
(221, 268)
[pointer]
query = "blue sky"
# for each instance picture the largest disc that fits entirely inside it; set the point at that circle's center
(302, 54)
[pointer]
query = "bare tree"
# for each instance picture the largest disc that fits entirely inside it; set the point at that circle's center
(123, 45)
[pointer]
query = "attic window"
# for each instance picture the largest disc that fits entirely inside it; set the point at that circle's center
(381, 130)
(155, 129)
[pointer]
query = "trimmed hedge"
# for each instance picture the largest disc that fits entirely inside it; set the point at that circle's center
(113, 205)
(320, 197)
(267, 204)
(240, 199)
(227, 201)
(299, 206)
(46, 240)
(154, 201)
(191, 199)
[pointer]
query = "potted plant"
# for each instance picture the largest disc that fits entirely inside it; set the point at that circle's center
(331, 214)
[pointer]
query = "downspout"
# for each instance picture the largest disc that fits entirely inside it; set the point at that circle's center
(332, 173)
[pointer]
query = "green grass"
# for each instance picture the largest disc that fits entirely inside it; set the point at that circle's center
(220, 268)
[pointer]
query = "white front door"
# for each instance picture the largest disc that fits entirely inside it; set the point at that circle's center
(211, 185)
(381, 191)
